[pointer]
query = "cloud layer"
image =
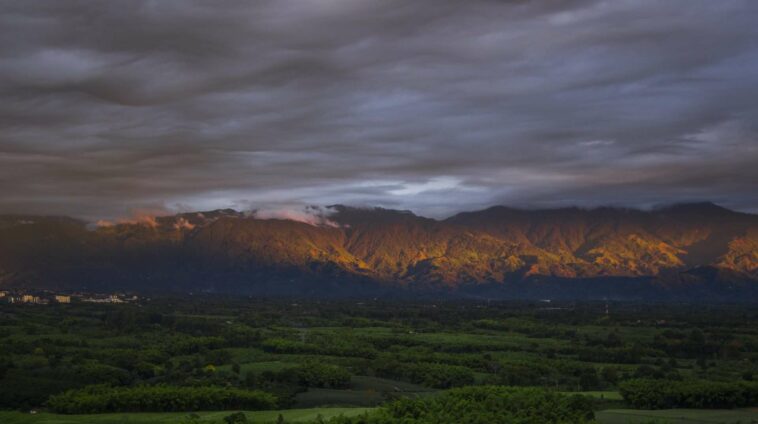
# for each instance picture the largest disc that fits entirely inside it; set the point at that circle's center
(435, 106)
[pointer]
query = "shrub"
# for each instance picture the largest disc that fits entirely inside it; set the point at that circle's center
(314, 374)
(483, 405)
(439, 376)
(236, 418)
(660, 394)
(97, 399)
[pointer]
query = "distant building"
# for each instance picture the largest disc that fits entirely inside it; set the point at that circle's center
(62, 299)
(108, 299)
(28, 298)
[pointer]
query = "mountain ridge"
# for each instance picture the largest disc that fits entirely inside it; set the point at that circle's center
(507, 249)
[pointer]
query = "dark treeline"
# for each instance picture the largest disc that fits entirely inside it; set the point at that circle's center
(659, 394)
(55, 355)
(97, 399)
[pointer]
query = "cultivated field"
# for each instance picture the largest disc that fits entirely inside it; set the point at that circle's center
(154, 361)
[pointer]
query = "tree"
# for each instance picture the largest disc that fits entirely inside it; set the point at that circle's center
(236, 418)
(610, 374)
(588, 379)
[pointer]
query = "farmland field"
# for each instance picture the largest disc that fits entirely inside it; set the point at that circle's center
(158, 360)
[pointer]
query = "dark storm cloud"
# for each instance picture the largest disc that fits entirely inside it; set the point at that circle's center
(434, 106)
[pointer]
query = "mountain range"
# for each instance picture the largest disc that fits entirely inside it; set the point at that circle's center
(685, 251)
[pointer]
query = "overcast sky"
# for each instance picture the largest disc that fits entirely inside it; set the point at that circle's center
(107, 107)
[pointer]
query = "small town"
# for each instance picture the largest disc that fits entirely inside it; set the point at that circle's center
(45, 297)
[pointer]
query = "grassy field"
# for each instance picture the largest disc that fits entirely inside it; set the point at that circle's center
(318, 397)
(364, 391)
(362, 382)
(677, 416)
(607, 395)
(290, 415)
(259, 367)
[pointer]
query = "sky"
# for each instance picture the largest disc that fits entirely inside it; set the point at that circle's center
(438, 106)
